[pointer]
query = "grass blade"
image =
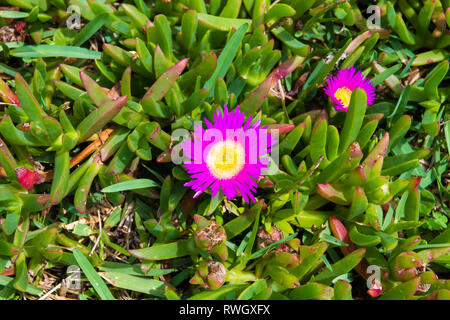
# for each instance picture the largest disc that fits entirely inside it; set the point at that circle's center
(92, 276)
(45, 51)
(226, 57)
(130, 185)
(89, 30)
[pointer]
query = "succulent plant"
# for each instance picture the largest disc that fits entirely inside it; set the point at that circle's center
(210, 275)
(211, 237)
(356, 188)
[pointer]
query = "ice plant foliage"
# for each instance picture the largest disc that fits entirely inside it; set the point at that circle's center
(132, 132)
(340, 88)
(228, 156)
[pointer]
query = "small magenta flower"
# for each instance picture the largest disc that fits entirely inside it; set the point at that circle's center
(228, 156)
(27, 178)
(340, 88)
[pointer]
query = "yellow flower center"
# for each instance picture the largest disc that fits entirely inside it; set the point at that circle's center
(343, 94)
(225, 159)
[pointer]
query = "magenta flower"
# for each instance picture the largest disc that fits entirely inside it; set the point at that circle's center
(228, 155)
(27, 178)
(340, 88)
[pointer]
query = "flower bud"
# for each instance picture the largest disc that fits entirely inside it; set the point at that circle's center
(376, 289)
(211, 237)
(407, 265)
(265, 238)
(210, 275)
